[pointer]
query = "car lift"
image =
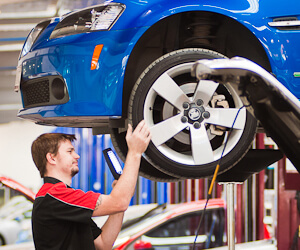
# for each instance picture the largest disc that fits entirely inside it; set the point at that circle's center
(272, 104)
(253, 162)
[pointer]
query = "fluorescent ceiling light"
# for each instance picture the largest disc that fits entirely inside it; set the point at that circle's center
(11, 47)
(29, 14)
(4, 107)
(17, 26)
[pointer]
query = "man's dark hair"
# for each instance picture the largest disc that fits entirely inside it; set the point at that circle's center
(44, 144)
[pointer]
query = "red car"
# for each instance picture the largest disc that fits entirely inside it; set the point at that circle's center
(15, 188)
(174, 227)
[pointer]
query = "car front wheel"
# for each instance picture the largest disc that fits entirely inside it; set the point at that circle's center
(190, 121)
(146, 169)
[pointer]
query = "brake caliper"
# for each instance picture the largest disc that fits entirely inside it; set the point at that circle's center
(218, 101)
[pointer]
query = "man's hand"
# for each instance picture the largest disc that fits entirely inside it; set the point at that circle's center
(138, 140)
(110, 229)
(119, 198)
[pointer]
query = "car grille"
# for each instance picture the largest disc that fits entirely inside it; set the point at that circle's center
(49, 90)
(36, 93)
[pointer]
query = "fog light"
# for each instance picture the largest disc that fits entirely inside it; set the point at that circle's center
(58, 88)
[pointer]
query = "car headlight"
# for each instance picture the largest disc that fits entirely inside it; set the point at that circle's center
(96, 18)
(33, 35)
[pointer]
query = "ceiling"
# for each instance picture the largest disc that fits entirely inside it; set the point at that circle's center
(17, 18)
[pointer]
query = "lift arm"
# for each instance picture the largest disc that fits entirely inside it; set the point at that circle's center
(277, 109)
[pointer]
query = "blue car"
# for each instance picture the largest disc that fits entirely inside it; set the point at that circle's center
(119, 62)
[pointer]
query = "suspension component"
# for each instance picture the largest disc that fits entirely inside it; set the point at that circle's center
(218, 101)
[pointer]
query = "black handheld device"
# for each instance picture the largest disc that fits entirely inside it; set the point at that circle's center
(113, 163)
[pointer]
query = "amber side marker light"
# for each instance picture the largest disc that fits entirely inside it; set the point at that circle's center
(96, 55)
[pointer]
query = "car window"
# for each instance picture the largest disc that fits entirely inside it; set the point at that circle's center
(2, 200)
(7, 193)
(141, 225)
(182, 230)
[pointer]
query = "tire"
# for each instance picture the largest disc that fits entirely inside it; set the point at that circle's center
(2, 241)
(146, 169)
(189, 122)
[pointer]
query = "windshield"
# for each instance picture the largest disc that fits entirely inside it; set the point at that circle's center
(152, 217)
(157, 209)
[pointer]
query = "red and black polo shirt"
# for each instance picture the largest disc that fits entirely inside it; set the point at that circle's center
(61, 217)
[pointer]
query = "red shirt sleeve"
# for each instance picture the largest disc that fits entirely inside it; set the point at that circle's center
(68, 204)
(74, 197)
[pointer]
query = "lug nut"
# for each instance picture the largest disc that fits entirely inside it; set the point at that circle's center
(184, 119)
(199, 102)
(253, 79)
(186, 105)
(196, 125)
(206, 114)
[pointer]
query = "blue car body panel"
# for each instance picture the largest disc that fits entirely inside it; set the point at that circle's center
(99, 92)
(92, 92)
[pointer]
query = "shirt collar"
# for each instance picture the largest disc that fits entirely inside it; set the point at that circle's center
(51, 180)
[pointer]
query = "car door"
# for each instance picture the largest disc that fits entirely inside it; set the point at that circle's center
(180, 231)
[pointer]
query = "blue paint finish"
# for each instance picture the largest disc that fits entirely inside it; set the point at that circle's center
(99, 92)
(92, 92)
(244, 11)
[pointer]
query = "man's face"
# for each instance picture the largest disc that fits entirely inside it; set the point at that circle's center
(67, 158)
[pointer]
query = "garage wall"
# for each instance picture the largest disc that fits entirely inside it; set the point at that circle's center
(15, 152)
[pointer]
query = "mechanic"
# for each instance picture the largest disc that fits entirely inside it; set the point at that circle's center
(61, 216)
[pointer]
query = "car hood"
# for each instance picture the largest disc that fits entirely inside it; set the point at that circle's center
(277, 109)
(10, 183)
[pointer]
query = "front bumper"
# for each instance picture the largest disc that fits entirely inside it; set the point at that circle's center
(86, 96)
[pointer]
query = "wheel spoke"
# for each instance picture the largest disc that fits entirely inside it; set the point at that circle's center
(205, 91)
(165, 130)
(201, 147)
(225, 117)
(170, 91)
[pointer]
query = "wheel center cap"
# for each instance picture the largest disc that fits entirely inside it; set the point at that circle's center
(194, 114)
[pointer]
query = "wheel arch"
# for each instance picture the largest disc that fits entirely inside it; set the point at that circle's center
(192, 29)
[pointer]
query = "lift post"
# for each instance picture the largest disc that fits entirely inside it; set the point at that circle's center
(253, 162)
(230, 189)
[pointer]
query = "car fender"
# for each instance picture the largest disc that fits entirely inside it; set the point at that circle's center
(138, 14)
(254, 15)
